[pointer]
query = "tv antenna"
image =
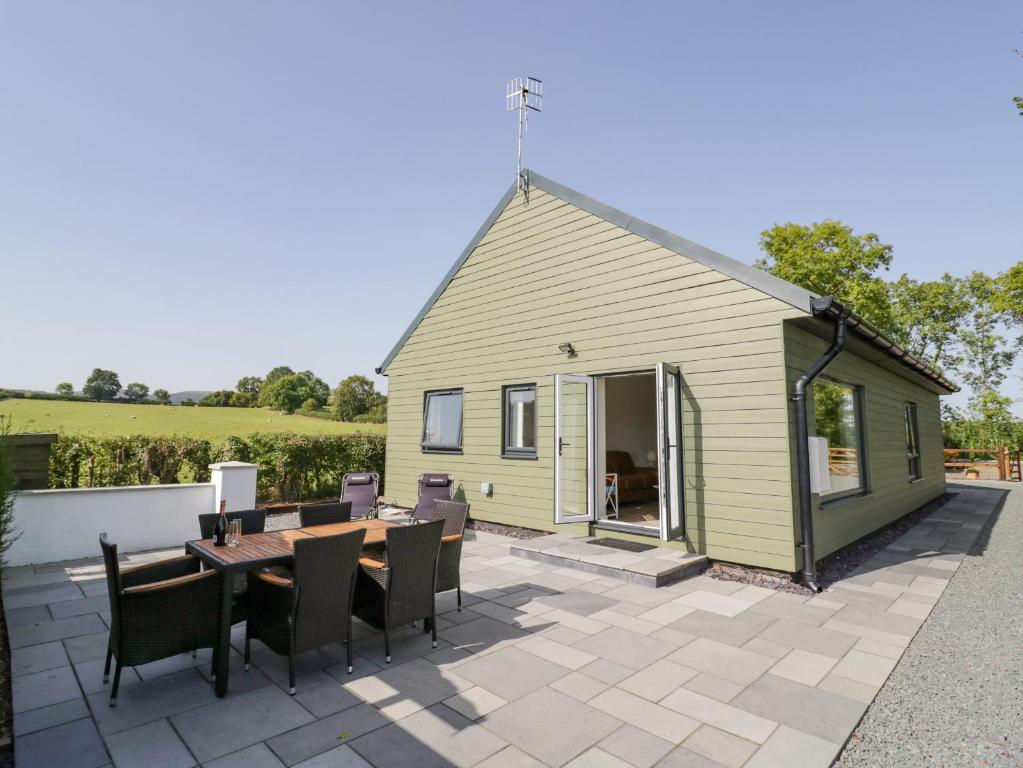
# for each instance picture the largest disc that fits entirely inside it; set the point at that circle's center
(523, 95)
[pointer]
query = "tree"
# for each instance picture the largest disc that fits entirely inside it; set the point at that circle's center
(928, 317)
(162, 396)
(286, 393)
(65, 389)
(272, 378)
(242, 400)
(355, 396)
(986, 357)
(250, 385)
(136, 392)
(829, 259)
(318, 387)
(1007, 294)
(219, 399)
(101, 385)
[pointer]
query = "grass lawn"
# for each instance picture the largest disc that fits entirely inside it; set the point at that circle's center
(119, 419)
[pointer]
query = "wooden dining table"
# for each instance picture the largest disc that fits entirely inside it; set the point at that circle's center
(258, 550)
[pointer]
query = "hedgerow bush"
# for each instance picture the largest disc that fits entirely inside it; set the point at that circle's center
(291, 466)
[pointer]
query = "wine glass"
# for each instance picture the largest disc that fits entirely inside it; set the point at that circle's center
(234, 533)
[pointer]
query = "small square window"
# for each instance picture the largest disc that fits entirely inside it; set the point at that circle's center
(838, 416)
(913, 443)
(442, 421)
(519, 433)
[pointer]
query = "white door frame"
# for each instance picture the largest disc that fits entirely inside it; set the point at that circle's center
(559, 515)
(670, 467)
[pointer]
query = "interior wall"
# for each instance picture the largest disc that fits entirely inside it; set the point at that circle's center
(630, 414)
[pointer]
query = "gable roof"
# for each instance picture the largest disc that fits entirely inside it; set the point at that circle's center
(791, 294)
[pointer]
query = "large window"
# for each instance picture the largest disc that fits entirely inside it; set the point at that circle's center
(913, 442)
(838, 417)
(442, 421)
(520, 421)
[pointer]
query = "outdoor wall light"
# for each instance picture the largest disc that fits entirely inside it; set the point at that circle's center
(567, 348)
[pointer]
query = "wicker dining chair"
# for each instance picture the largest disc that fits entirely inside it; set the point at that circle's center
(253, 521)
(313, 607)
(158, 610)
(432, 488)
(325, 513)
(401, 590)
(361, 489)
(449, 573)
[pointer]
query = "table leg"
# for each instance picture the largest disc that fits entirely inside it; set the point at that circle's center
(223, 653)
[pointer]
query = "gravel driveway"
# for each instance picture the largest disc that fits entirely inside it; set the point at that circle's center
(956, 697)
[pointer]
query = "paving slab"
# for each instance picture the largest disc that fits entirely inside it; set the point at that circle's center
(820, 713)
(551, 726)
(71, 745)
(228, 724)
(437, 735)
(154, 745)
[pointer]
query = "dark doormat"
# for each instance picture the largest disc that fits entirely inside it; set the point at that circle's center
(628, 546)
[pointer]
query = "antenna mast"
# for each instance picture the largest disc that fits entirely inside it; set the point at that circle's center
(523, 94)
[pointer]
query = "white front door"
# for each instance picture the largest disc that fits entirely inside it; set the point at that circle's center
(573, 449)
(670, 486)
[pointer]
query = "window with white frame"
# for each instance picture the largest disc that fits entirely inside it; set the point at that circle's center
(839, 418)
(519, 421)
(913, 442)
(442, 420)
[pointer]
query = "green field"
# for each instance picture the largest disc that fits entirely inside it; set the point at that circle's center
(111, 419)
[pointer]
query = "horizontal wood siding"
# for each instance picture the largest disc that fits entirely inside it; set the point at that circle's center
(891, 494)
(550, 272)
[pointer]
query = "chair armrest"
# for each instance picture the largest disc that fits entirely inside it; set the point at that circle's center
(272, 579)
(160, 571)
(451, 537)
(166, 584)
(369, 562)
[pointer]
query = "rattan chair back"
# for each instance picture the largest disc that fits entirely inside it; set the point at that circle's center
(412, 552)
(324, 582)
(325, 513)
(253, 521)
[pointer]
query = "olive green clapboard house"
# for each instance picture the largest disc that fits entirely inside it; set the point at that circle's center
(580, 369)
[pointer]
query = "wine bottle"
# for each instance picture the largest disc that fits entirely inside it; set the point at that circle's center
(220, 529)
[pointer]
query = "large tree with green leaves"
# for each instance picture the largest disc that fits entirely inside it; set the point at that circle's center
(928, 317)
(136, 392)
(250, 385)
(355, 396)
(827, 257)
(65, 389)
(162, 396)
(102, 385)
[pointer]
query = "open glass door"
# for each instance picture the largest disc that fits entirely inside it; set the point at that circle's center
(670, 489)
(573, 449)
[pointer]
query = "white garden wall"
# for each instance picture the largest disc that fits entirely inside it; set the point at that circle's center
(60, 525)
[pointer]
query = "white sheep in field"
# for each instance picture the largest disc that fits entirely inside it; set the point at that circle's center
(133, 417)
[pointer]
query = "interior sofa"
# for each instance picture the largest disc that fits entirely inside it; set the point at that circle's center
(634, 483)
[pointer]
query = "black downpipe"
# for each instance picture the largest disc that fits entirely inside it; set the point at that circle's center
(819, 307)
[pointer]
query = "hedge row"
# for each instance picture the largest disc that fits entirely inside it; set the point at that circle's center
(291, 466)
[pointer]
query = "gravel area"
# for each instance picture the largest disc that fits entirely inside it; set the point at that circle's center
(956, 697)
(835, 566)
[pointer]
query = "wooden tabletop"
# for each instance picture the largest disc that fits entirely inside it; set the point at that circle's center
(262, 548)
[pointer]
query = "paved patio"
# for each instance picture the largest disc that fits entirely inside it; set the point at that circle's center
(544, 666)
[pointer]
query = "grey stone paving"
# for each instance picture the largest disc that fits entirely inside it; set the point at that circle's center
(956, 696)
(544, 666)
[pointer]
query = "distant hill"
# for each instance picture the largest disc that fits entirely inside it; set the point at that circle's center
(196, 395)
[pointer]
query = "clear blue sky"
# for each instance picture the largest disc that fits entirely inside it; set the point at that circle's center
(193, 192)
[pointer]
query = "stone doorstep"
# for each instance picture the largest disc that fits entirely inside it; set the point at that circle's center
(651, 571)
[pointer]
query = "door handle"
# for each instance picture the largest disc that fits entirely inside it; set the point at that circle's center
(561, 446)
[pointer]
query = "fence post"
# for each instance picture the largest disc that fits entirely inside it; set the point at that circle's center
(1003, 462)
(236, 482)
